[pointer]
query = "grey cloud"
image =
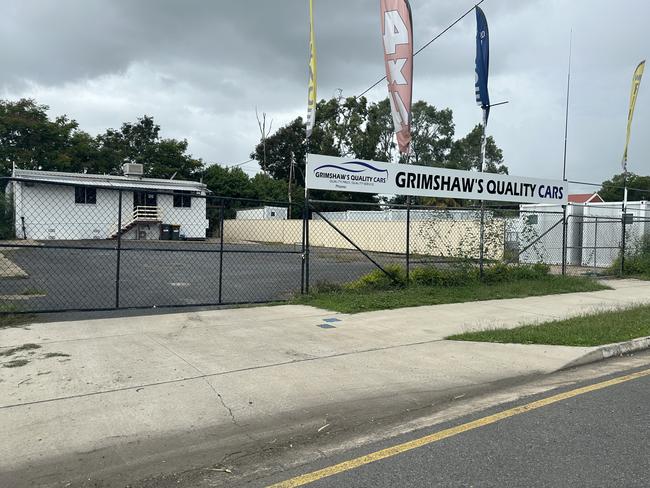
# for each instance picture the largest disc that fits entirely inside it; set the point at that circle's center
(200, 67)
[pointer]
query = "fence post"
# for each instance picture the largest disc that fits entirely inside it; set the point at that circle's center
(302, 256)
(408, 240)
(622, 271)
(119, 249)
(306, 241)
(221, 218)
(482, 237)
(564, 239)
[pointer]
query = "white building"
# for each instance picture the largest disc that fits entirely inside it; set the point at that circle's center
(262, 213)
(593, 232)
(71, 206)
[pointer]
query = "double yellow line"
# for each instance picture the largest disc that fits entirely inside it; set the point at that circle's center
(444, 434)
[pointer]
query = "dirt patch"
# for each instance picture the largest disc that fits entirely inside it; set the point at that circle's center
(24, 347)
(56, 355)
(16, 363)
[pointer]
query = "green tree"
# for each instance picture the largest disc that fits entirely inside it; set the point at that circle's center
(140, 142)
(432, 133)
(465, 154)
(30, 140)
(228, 181)
(638, 188)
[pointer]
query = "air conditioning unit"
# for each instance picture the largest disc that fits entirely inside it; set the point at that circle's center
(132, 169)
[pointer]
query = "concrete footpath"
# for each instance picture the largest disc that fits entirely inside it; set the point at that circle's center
(157, 393)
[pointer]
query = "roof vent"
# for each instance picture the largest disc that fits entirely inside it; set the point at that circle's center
(132, 169)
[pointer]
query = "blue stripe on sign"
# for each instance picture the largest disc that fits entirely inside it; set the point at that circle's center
(331, 320)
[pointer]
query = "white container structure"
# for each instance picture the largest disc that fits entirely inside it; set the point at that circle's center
(593, 232)
(262, 213)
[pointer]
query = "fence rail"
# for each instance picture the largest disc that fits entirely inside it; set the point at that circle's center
(66, 249)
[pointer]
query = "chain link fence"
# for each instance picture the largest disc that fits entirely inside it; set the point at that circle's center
(71, 247)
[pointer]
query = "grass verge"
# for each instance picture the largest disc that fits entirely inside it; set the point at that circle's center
(587, 330)
(351, 300)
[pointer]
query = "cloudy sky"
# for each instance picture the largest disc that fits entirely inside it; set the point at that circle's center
(201, 67)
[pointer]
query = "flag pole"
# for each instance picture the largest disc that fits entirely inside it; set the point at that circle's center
(311, 122)
(482, 163)
(566, 138)
(636, 83)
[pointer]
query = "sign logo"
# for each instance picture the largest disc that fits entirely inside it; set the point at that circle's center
(350, 167)
(344, 174)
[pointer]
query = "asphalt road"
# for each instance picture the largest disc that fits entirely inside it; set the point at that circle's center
(164, 273)
(595, 439)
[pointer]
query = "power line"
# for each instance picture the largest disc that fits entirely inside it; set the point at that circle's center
(427, 44)
(242, 163)
(619, 187)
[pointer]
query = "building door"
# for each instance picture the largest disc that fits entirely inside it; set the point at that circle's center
(144, 199)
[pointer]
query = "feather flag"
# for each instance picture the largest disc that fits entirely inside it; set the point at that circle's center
(311, 98)
(636, 83)
(482, 64)
(397, 33)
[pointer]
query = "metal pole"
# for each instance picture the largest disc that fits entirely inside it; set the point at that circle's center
(221, 218)
(289, 187)
(119, 249)
(595, 242)
(564, 239)
(302, 265)
(566, 137)
(482, 229)
(623, 222)
(408, 240)
(306, 241)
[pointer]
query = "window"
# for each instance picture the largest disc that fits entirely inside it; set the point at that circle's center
(85, 195)
(183, 199)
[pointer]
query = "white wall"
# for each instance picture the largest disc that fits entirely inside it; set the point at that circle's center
(50, 212)
(593, 233)
(192, 220)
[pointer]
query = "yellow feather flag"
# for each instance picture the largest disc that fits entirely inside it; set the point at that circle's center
(636, 83)
(311, 99)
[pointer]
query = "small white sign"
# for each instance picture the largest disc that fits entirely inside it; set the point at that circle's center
(356, 175)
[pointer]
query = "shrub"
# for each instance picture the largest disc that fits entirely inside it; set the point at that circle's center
(378, 280)
(432, 276)
(637, 258)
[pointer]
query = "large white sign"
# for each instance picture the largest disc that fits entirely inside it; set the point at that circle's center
(356, 175)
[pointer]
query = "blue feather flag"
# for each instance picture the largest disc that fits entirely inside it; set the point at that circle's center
(482, 64)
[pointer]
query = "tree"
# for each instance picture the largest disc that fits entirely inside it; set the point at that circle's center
(141, 143)
(228, 181)
(30, 140)
(638, 188)
(465, 154)
(432, 133)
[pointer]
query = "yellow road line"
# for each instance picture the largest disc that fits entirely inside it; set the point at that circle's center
(444, 434)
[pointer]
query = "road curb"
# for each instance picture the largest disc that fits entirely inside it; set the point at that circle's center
(611, 350)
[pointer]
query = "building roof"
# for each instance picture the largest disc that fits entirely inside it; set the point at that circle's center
(108, 181)
(585, 198)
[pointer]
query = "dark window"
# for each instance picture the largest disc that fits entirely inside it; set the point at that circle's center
(85, 194)
(183, 198)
